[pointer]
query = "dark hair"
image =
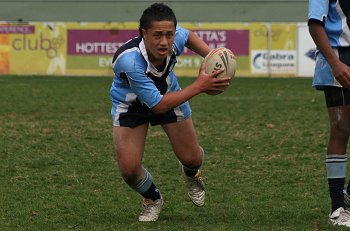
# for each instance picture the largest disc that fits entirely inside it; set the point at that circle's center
(156, 12)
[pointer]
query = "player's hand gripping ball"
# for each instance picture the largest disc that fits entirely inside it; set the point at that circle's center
(220, 58)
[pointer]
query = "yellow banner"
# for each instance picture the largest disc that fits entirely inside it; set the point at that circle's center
(273, 50)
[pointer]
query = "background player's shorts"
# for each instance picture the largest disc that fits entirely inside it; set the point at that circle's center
(135, 116)
(323, 72)
(337, 96)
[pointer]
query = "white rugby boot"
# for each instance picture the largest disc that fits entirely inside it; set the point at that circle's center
(340, 217)
(346, 199)
(151, 209)
(195, 187)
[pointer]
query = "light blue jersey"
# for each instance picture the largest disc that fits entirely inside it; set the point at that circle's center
(334, 16)
(138, 86)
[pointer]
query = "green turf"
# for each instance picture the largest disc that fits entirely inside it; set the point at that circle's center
(265, 142)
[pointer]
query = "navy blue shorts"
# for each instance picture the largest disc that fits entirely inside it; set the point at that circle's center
(134, 119)
(337, 96)
(134, 116)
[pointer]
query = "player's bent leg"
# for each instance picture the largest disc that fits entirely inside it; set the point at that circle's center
(184, 141)
(337, 145)
(190, 155)
(129, 146)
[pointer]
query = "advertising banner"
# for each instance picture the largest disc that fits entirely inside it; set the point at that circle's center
(91, 46)
(273, 50)
(232, 36)
(32, 49)
(87, 48)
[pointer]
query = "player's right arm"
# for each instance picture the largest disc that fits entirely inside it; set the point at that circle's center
(204, 82)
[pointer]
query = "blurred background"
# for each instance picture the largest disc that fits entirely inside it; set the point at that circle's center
(78, 38)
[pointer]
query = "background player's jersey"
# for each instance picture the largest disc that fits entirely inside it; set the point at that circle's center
(137, 83)
(335, 16)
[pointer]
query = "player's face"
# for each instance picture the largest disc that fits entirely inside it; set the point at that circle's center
(159, 39)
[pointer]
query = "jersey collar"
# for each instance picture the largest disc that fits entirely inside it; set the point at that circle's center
(150, 67)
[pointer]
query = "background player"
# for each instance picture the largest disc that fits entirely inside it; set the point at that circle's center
(329, 28)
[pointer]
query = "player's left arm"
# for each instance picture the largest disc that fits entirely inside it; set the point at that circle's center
(197, 45)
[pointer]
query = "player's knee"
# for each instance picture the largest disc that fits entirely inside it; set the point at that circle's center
(193, 164)
(194, 161)
(130, 173)
(340, 131)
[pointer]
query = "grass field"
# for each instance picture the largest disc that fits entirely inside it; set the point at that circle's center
(265, 142)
